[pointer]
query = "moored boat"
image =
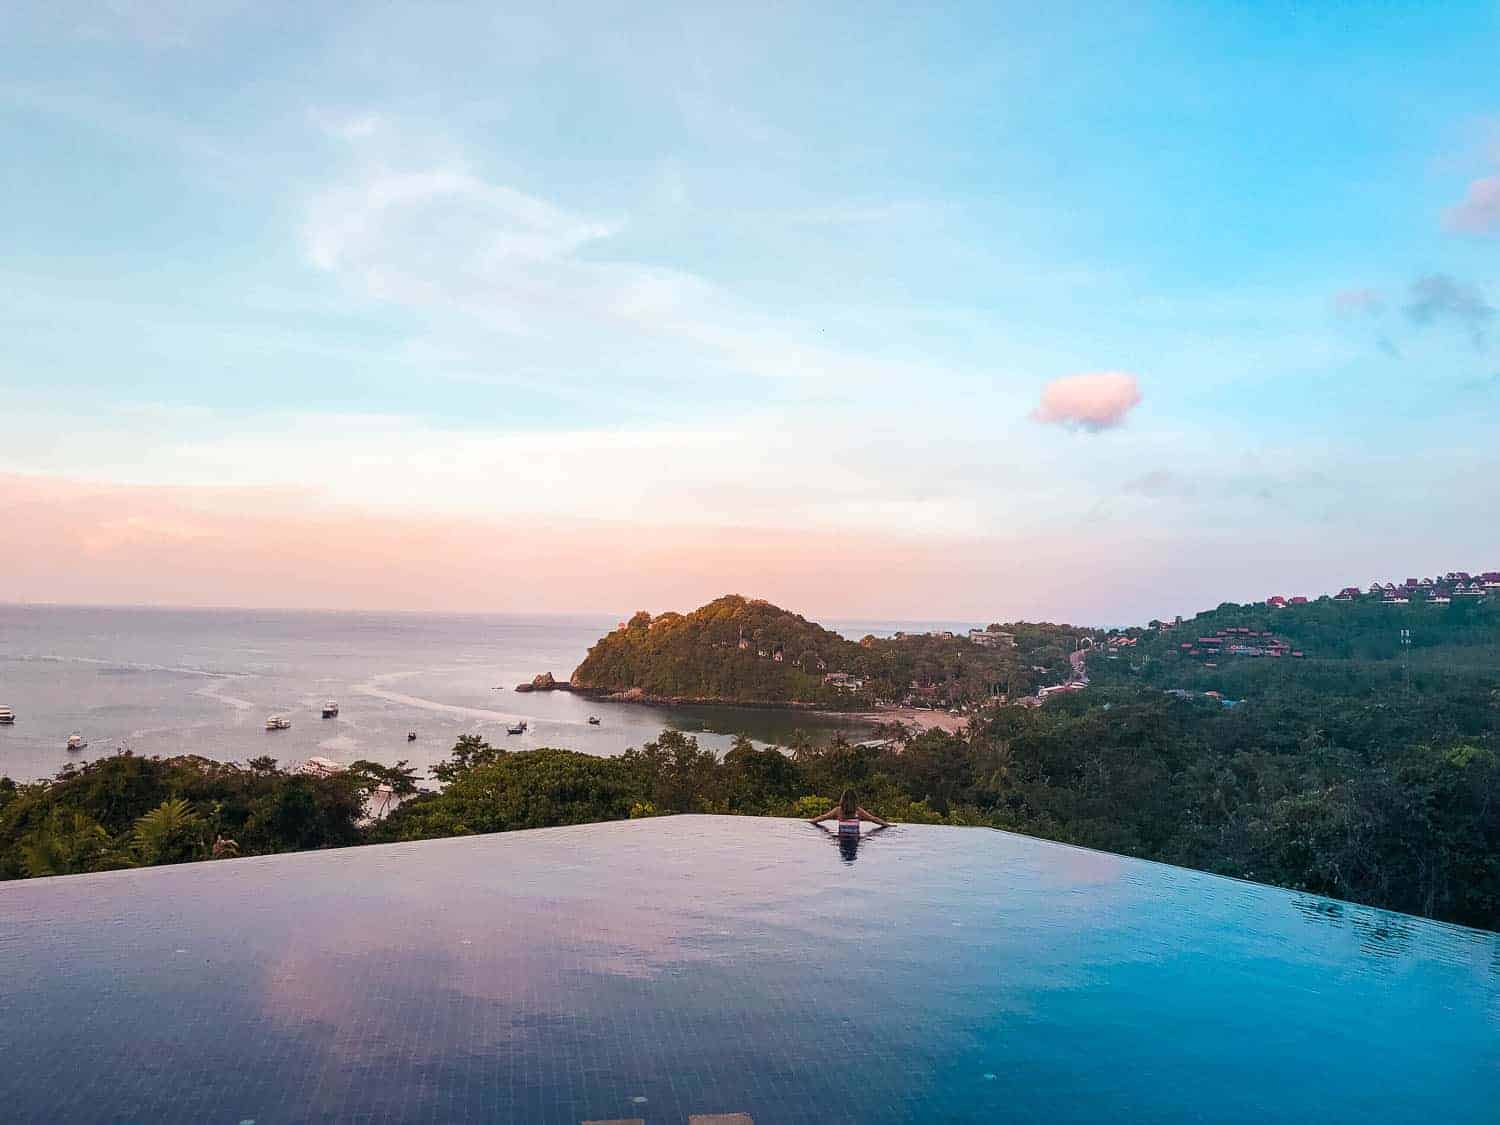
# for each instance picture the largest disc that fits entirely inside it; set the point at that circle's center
(278, 722)
(331, 709)
(76, 741)
(516, 728)
(7, 716)
(593, 720)
(411, 736)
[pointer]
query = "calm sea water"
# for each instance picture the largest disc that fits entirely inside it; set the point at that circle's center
(203, 682)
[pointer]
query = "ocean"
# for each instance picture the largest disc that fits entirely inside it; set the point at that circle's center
(203, 681)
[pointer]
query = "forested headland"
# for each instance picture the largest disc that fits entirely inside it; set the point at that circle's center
(746, 651)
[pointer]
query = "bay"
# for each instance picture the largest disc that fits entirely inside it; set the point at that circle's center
(203, 681)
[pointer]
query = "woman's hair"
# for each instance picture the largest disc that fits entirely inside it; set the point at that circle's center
(848, 805)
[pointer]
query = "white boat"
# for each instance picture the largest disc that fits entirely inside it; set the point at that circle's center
(7, 716)
(331, 709)
(516, 728)
(76, 741)
(278, 722)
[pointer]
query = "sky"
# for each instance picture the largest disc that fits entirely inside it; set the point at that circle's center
(1083, 312)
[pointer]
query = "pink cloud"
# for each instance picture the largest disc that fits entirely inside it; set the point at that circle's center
(1357, 302)
(1479, 211)
(1094, 401)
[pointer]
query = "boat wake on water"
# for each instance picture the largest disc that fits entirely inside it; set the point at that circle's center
(130, 666)
(374, 688)
(216, 693)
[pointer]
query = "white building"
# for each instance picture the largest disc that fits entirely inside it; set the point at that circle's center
(987, 639)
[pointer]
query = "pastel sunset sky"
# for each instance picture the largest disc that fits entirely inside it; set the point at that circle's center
(1085, 312)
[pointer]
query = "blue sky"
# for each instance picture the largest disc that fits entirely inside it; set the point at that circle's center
(807, 271)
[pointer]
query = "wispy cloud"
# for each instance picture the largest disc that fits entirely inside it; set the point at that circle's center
(1439, 297)
(353, 228)
(352, 127)
(1161, 484)
(1095, 401)
(156, 24)
(1479, 210)
(859, 214)
(484, 257)
(1350, 303)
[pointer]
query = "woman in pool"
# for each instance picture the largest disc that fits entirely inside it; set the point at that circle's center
(848, 813)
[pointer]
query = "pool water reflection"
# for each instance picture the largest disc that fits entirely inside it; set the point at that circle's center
(666, 967)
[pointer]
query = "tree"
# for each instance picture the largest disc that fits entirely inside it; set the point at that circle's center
(759, 781)
(470, 751)
(674, 773)
(67, 843)
(401, 777)
(526, 789)
(170, 833)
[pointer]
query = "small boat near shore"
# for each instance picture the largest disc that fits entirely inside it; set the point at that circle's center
(331, 709)
(7, 716)
(278, 722)
(76, 741)
(593, 720)
(516, 728)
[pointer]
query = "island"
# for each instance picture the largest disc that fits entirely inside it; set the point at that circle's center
(749, 652)
(545, 681)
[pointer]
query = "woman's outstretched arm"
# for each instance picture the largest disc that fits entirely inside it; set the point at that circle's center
(831, 814)
(865, 814)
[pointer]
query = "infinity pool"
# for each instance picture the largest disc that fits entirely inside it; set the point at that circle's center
(656, 969)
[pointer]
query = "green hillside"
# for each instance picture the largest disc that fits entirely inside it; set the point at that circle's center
(1348, 648)
(732, 649)
(741, 650)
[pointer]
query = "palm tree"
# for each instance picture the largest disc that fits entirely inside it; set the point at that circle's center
(170, 833)
(67, 842)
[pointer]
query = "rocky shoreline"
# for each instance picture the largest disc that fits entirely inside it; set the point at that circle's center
(545, 681)
(917, 719)
(639, 695)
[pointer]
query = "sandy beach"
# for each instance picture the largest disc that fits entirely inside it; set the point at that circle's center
(917, 717)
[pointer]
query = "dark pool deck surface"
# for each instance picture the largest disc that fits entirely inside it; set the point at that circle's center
(652, 970)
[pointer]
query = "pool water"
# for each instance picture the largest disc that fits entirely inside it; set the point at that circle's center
(655, 969)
